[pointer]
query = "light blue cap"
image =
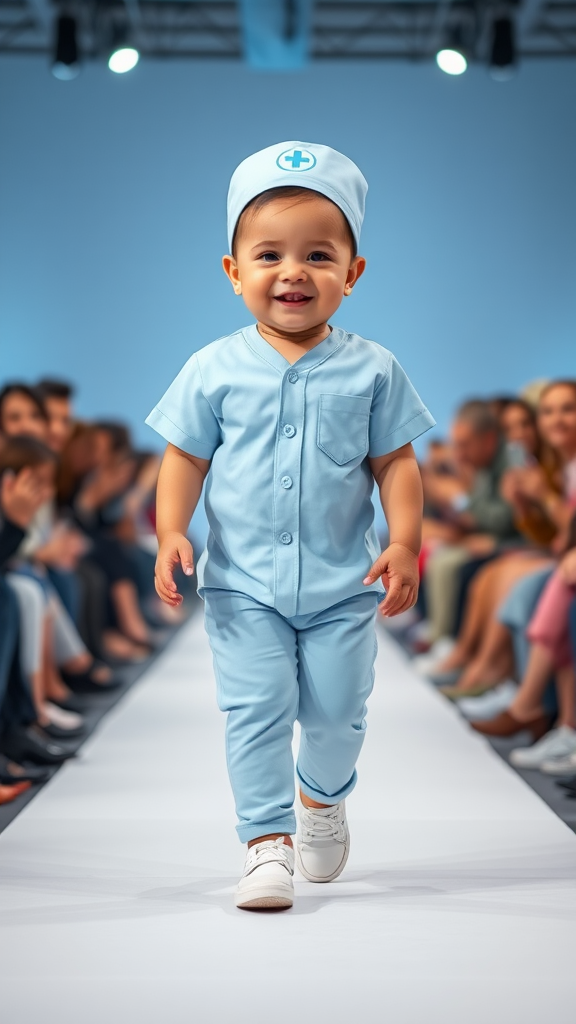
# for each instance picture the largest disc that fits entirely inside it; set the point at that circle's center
(307, 165)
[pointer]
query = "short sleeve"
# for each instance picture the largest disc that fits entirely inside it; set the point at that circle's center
(184, 416)
(397, 415)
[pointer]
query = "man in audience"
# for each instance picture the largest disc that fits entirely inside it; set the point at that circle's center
(473, 517)
(57, 397)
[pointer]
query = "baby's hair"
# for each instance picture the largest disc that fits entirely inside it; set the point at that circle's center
(18, 453)
(294, 192)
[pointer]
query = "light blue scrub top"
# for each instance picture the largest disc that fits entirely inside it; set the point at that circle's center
(288, 494)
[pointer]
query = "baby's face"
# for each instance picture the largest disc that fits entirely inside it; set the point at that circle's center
(294, 263)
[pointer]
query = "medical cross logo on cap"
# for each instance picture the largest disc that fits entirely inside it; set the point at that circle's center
(296, 160)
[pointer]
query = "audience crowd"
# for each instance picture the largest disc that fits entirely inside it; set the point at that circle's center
(77, 552)
(494, 628)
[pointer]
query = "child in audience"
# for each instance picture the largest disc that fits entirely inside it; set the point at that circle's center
(292, 420)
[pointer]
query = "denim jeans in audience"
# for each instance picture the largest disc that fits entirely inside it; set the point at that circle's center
(515, 612)
(16, 707)
(67, 586)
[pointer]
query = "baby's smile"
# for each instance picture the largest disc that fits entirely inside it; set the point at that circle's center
(294, 299)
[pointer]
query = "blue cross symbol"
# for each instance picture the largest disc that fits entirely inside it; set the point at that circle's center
(296, 160)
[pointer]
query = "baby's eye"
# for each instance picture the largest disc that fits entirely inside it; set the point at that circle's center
(269, 257)
(318, 257)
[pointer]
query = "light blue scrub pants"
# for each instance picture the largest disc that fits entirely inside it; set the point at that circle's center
(271, 671)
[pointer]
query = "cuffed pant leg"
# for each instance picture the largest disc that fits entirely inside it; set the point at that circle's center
(336, 654)
(254, 651)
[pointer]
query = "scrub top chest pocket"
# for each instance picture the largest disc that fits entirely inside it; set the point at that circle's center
(343, 422)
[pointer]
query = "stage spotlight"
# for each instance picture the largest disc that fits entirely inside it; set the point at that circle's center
(123, 57)
(503, 52)
(452, 58)
(66, 65)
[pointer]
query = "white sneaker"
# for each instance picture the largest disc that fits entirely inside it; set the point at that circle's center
(267, 880)
(555, 744)
(429, 662)
(490, 704)
(322, 841)
(560, 765)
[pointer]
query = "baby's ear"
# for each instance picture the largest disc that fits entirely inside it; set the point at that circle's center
(231, 270)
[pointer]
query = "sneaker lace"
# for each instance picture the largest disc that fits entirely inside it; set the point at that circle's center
(271, 850)
(327, 825)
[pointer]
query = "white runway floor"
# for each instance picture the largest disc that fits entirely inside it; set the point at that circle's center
(458, 904)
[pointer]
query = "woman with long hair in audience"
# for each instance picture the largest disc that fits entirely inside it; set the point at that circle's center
(536, 489)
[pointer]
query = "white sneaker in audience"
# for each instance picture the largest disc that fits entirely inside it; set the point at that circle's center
(490, 704)
(60, 717)
(267, 880)
(426, 663)
(560, 765)
(555, 744)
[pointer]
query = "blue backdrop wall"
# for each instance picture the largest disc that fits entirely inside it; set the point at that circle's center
(113, 201)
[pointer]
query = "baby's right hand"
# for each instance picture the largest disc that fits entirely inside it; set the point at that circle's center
(175, 548)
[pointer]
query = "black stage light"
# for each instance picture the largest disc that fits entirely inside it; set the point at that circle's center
(66, 65)
(503, 52)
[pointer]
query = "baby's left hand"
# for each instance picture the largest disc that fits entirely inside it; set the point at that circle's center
(398, 567)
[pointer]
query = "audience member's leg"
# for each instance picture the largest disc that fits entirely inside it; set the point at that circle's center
(441, 588)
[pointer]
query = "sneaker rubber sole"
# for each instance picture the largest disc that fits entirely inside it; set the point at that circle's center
(265, 899)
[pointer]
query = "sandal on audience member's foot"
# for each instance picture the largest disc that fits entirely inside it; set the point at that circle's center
(11, 772)
(85, 682)
(506, 724)
(456, 692)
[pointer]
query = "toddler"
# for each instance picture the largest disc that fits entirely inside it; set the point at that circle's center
(290, 422)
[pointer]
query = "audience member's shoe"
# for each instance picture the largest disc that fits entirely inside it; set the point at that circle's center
(59, 716)
(569, 785)
(9, 793)
(322, 841)
(87, 682)
(31, 744)
(424, 664)
(267, 882)
(490, 704)
(56, 732)
(557, 743)
(505, 724)
(75, 703)
(460, 692)
(12, 772)
(562, 765)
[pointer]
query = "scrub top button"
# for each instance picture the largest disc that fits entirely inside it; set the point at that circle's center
(286, 538)
(293, 377)
(289, 430)
(286, 482)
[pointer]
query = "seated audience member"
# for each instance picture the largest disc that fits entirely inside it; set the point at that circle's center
(52, 648)
(472, 517)
(97, 468)
(541, 495)
(21, 737)
(56, 397)
(549, 628)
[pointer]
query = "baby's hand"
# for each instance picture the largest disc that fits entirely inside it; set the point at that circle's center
(398, 567)
(174, 548)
